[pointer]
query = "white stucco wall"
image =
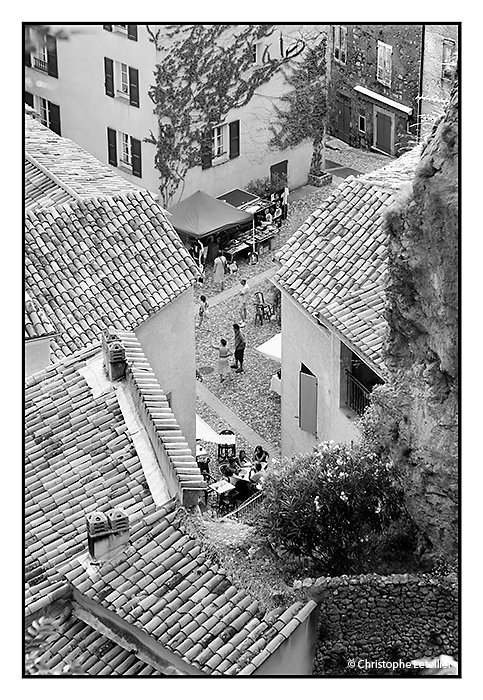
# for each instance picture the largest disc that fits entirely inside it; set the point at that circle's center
(304, 341)
(37, 355)
(168, 341)
(86, 111)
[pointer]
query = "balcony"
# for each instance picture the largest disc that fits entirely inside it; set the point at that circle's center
(357, 396)
(40, 64)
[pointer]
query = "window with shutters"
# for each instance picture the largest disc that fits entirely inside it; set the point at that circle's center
(222, 143)
(124, 152)
(121, 81)
(448, 65)
(384, 63)
(128, 30)
(42, 51)
(307, 400)
(49, 113)
(340, 43)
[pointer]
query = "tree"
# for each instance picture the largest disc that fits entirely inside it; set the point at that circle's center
(324, 505)
(303, 112)
(204, 71)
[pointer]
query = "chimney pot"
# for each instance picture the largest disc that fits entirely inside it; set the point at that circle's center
(118, 520)
(114, 355)
(107, 533)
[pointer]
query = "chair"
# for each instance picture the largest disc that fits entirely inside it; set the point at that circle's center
(225, 451)
(263, 307)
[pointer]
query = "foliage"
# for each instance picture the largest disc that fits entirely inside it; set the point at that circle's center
(266, 186)
(326, 504)
(203, 72)
(38, 636)
(303, 112)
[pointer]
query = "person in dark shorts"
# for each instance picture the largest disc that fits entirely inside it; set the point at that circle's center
(240, 344)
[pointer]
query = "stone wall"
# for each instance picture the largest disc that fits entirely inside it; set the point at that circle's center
(371, 618)
(361, 69)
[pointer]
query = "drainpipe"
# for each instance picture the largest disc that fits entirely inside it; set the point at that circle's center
(421, 70)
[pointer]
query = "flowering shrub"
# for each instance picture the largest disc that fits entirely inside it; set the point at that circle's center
(325, 505)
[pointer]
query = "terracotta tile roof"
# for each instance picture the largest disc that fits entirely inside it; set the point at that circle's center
(166, 586)
(111, 261)
(335, 264)
(36, 323)
(92, 653)
(58, 169)
(80, 458)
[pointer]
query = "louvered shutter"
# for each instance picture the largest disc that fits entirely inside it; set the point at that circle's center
(206, 149)
(308, 402)
(132, 32)
(28, 98)
(52, 68)
(111, 146)
(107, 27)
(109, 76)
(54, 118)
(136, 157)
(234, 128)
(133, 87)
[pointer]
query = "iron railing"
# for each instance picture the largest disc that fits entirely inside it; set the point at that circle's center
(357, 396)
(250, 506)
(41, 65)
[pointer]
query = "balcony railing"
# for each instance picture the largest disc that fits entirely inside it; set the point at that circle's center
(357, 396)
(41, 65)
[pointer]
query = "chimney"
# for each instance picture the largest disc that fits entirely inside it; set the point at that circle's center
(114, 355)
(107, 533)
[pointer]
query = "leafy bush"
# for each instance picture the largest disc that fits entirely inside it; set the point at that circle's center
(264, 187)
(326, 505)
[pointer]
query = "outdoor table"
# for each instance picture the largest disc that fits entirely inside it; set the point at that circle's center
(244, 473)
(221, 488)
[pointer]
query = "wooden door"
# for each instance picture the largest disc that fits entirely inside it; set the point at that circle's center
(343, 118)
(383, 132)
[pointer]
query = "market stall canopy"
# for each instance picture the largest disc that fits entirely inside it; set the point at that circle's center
(200, 215)
(207, 434)
(272, 348)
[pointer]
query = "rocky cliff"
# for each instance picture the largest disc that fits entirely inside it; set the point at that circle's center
(422, 347)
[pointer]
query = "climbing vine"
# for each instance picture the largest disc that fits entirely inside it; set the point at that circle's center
(302, 113)
(203, 72)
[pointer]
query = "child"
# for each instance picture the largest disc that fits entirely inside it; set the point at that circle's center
(202, 310)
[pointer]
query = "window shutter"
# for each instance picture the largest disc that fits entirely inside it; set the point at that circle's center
(132, 32)
(28, 98)
(234, 138)
(133, 87)
(136, 157)
(54, 118)
(111, 146)
(52, 56)
(109, 76)
(343, 44)
(207, 149)
(308, 402)
(107, 27)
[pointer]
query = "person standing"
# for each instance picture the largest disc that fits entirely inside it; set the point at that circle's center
(202, 310)
(277, 217)
(285, 202)
(244, 294)
(219, 265)
(223, 355)
(240, 345)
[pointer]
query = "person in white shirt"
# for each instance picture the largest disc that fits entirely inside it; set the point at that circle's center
(244, 294)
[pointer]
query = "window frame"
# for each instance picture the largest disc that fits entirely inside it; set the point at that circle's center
(445, 74)
(220, 138)
(340, 44)
(362, 117)
(125, 140)
(123, 79)
(384, 64)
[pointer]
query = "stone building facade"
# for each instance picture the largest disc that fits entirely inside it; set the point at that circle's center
(374, 76)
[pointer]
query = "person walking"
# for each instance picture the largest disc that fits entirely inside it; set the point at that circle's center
(219, 265)
(240, 344)
(244, 294)
(223, 367)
